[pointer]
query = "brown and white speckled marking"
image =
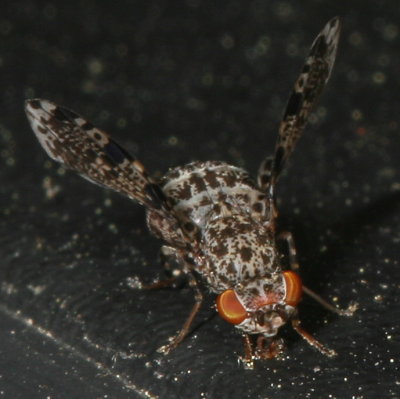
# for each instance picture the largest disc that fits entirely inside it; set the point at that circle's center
(218, 223)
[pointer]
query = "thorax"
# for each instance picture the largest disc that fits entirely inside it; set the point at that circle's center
(202, 191)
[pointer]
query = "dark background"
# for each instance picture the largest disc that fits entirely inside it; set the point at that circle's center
(175, 81)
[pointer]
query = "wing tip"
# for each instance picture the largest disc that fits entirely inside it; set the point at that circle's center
(326, 43)
(332, 30)
(37, 107)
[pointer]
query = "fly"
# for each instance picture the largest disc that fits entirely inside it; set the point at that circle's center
(217, 224)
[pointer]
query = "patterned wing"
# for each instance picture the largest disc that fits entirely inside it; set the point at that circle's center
(73, 141)
(312, 79)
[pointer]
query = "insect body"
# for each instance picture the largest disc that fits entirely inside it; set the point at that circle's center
(217, 223)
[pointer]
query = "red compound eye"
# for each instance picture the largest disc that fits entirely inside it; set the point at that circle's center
(294, 288)
(230, 308)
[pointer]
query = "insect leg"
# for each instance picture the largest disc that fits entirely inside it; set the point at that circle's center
(288, 237)
(270, 349)
(294, 265)
(178, 338)
(155, 285)
(248, 358)
(341, 312)
(265, 348)
(310, 339)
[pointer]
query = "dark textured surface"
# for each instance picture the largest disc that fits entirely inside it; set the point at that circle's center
(174, 82)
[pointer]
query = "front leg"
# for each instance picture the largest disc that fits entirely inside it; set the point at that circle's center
(296, 324)
(265, 348)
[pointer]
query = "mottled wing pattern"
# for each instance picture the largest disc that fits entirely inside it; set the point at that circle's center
(73, 141)
(312, 79)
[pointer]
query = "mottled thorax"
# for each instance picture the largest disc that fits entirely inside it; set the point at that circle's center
(237, 248)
